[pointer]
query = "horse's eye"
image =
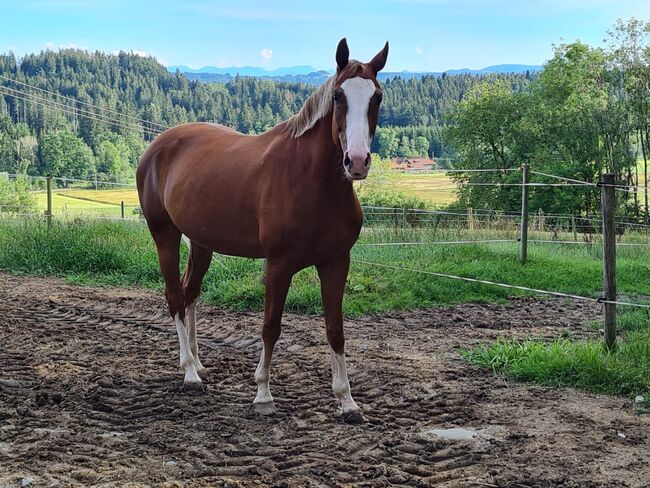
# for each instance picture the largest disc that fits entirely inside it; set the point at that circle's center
(336, 97)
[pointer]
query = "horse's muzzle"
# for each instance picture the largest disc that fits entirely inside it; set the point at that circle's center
(357, 165)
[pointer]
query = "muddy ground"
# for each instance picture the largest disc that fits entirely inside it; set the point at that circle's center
(90, 394)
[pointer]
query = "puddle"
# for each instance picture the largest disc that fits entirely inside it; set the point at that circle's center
(112, 433)
(55, 430)
(453, 434)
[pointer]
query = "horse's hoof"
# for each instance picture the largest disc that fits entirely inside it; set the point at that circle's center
(264, 408)
(353, 417)
(194, 387)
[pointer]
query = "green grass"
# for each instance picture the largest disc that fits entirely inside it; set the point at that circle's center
(122, 253)
(582, 364)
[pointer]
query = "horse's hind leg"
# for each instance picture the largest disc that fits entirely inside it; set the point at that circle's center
(168, 240)
(197, 266)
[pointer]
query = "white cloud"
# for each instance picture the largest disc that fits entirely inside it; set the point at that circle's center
(266, 55)
(50, 46)
(136, 52)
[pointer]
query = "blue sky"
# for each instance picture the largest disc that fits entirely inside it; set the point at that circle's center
(425, 35)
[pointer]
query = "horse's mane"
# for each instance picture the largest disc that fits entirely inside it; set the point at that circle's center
(319, 103)
(315, 108)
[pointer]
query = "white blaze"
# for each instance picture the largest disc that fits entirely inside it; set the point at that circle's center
(357, 93)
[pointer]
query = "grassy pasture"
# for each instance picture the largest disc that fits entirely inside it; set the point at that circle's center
(111, 197)
(89, 202)
(433, 188)
(436, 189)
(122, 253)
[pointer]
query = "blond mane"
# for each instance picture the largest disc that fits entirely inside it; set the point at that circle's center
(317, 106)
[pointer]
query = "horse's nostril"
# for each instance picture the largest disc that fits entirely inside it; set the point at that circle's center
(367, 162)
(347, 161)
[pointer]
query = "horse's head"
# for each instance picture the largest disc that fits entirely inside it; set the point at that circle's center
(357, 96)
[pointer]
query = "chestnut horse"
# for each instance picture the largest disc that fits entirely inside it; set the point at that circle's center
(285, 195)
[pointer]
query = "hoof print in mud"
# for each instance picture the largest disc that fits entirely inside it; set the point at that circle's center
(264, 408)
(353, 417)
(194, 388)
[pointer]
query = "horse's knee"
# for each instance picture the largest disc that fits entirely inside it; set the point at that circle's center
(336, 339)
(271, 333)
(175, 304)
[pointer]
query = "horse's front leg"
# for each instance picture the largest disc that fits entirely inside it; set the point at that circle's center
(332, 277)
(277, 282)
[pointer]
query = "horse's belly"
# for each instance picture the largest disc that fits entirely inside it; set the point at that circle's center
(232, 233)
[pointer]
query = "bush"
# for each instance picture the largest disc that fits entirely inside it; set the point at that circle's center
(15, 196)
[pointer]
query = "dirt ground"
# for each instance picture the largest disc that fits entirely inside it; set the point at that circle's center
(90, 394)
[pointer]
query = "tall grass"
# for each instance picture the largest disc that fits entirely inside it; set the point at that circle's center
(123, 253)
(586, 365)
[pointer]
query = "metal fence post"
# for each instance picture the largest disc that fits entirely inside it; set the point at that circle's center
(608, 202)
(48, 212)
(122, 208)
(573, 226)
(523, 237)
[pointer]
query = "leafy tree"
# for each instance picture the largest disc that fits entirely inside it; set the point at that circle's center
(64, 154)
(421, 146)
(113, 161)
(387, 142)
(405, 148)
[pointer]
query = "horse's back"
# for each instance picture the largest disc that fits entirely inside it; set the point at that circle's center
(200, 176)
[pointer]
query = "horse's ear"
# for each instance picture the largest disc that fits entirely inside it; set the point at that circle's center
(379, 61)
(342, 54)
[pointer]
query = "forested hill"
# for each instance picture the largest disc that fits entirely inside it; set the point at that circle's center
(141, 88)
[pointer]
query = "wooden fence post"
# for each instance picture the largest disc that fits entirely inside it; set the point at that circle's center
(540, 220)
(48, 212)
(470, 218)
(122, 208)
(523, 237)
(608, 202)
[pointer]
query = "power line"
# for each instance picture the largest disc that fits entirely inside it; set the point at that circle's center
(81, 111)
(73, 110)
(82, 102)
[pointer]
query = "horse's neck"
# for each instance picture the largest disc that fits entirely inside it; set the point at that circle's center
(319, 155)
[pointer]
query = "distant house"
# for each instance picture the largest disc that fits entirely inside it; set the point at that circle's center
(413, 164)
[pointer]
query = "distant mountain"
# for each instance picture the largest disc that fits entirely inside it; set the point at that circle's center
(313, 78)
(307, 74)
(246, 70)
(499, 68)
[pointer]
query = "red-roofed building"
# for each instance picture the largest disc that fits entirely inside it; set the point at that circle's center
(413, 164)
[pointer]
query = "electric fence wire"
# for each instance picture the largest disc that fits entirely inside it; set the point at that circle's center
(502, 285)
